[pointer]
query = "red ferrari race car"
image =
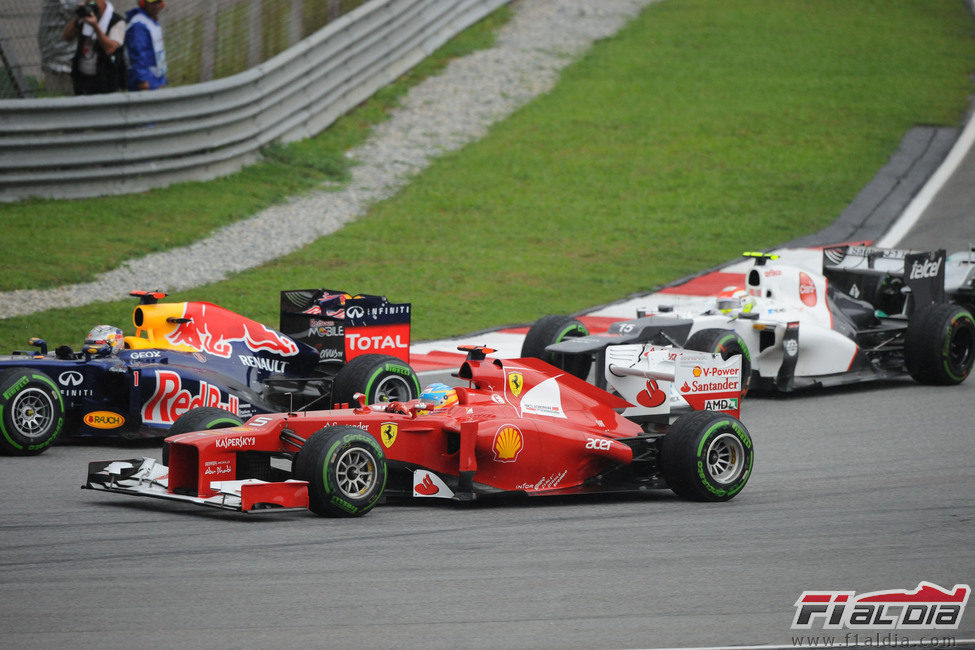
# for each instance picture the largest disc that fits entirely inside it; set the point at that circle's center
(520, 426)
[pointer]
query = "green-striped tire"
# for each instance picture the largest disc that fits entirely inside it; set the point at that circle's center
(707, 456)
(31, 412)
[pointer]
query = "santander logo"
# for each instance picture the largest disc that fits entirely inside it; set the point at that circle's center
(807, 290)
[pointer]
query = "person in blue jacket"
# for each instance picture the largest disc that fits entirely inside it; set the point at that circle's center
(144, 46)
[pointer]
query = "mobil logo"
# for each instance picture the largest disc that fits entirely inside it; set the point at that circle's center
(208, 328)
(807, 289)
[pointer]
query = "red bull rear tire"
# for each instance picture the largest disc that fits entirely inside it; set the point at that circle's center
(380, 377)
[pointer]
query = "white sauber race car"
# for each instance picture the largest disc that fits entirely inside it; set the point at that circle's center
(871, 314)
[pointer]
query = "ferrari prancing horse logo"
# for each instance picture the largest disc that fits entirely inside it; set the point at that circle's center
(515, 383)
(387, 433)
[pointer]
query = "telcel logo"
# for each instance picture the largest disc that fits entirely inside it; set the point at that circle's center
(104, 420)
(926, 269)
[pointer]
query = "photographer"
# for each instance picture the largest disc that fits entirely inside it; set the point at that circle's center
(97, 65)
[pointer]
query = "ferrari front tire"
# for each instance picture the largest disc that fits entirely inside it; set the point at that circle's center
(31, 412)
(345, 469)
(707, 456)
(939, 346)
(552, 329)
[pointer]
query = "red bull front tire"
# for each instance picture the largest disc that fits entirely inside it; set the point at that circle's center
(31, 412)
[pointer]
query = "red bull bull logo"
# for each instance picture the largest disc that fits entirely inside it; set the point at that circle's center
(170, 400)
(212, 329)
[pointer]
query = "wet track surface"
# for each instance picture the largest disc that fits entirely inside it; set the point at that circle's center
(862, 488)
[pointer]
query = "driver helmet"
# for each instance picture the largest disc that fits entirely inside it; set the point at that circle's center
(734, 298)
(106, 335)
(439, 396)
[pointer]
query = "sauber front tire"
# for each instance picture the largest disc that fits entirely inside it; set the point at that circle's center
(707, 456)
(727, 343)
(345, 469)
(939, 345)
(552, 329)
(31, 412)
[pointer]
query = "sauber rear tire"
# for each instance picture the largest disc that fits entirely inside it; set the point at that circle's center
(345, 469)
(31, 412)
(380, 377)
(939, 345)
(707, 456)
(727, 343)
(202, 418)
(555, 328)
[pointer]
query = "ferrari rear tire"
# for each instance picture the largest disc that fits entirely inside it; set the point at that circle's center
(202, 418)
(727, 343)
(380, 377)
(31, 412)
(939, 345)
(707, 456)
(345, 469)
(552, 329)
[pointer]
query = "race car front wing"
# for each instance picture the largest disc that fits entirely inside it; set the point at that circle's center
(147, 477)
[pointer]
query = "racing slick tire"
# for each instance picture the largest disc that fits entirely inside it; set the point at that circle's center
(555, 328)
(380, 377)
(727, 343)
(939, 345)
(345, 469)
(707, 456)
(31, 412)
(202, 418)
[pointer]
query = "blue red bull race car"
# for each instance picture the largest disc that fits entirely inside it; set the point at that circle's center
(186, 355)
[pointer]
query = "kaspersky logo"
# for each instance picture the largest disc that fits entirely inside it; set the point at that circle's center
(929, 607)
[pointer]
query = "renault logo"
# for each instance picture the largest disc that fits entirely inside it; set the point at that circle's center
(70, 378)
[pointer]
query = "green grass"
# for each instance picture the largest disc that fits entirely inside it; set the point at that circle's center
(701, 130)
(48, 243)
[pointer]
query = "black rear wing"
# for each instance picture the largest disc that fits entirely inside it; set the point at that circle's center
(341, 325)
(893, 280)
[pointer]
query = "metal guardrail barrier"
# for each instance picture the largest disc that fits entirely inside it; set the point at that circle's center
(69, 147)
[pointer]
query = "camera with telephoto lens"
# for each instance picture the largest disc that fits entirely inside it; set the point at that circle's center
(87, 9)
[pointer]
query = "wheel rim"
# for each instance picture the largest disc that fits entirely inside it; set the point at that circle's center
(960, 349)
(725, 458)
(356, 472)
(32, 412)
(393, 389)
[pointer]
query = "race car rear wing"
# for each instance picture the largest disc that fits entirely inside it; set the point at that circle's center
(893, 280)
(342, 326)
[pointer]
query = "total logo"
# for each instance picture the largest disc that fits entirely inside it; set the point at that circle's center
(364, 343)
(925, 269)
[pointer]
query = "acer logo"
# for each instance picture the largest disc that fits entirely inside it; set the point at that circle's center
(925, 269)
(599, 444)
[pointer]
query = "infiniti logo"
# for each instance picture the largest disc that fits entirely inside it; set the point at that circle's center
(355, 311)
(70, 378)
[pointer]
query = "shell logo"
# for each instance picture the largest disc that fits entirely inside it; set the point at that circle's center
(807, 290)
(508, 443)
(104, 420)
(515, 383)
(697, 371)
